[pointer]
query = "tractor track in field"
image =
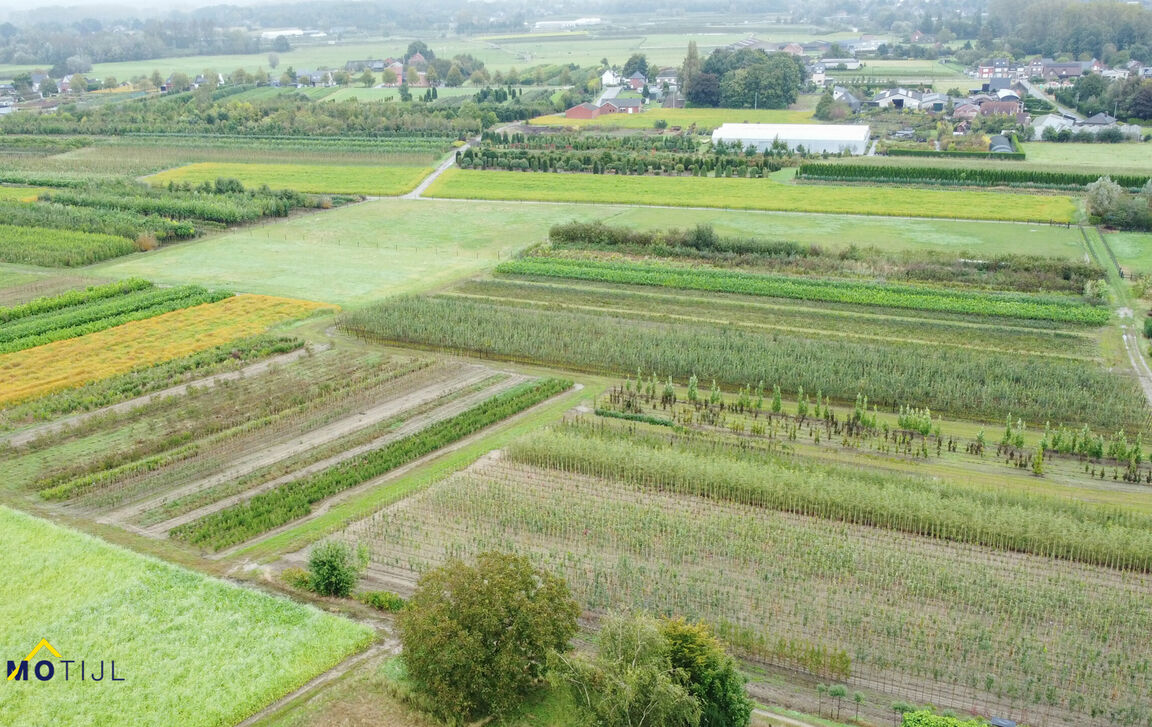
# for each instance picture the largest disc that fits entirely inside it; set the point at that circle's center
(21, 438)
(409, 427)
(389, 407)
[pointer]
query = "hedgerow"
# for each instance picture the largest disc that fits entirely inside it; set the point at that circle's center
(1008, 305)
(978, 177)
(100, 314)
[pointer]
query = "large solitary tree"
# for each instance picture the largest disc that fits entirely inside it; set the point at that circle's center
(636, 63)
(477, 638)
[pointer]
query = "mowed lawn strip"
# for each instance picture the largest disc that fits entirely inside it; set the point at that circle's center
(76, 361)
(757, 194)
(191, 650)
(310, 178)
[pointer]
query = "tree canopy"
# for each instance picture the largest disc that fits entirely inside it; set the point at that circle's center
(477, 638)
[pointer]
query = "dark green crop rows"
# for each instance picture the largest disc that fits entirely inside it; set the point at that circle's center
(961, 177)
(1007, 305)
(98, 314)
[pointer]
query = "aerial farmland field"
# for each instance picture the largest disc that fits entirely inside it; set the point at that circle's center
(189, 648)
(300, 384)
(325, 179)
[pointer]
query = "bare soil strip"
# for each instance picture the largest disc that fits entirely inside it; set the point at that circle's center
(260, 367)
(410, 427)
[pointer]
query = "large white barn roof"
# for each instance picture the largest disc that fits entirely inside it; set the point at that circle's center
(793, 132)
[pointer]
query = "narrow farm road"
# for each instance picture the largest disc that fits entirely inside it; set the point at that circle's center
(24, 437)
(444, 166)
(1139, 365)
(390, 646)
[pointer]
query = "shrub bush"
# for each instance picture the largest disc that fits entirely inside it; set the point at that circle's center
(333, 569)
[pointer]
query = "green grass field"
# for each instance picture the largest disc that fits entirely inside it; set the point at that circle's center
(751, 194)
(312, 178)
(357, 253)
(20, 194)
(703, 118)
(191, 650)
(1128, 157)
(1132, 249)
(348, 255)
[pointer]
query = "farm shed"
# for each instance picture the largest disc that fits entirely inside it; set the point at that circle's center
(817, 138)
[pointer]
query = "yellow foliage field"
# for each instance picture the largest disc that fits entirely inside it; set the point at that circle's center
(77, 361)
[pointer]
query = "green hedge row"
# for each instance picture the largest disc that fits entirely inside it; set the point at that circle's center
(967, 177)
(1007, 305)
(99, 315)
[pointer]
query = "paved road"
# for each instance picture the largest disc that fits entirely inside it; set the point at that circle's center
(1039, 93)
(444, 165)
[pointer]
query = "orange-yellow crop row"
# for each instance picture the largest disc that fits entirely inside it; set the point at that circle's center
(77, 361)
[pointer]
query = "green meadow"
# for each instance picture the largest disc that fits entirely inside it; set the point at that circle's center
(191, 650)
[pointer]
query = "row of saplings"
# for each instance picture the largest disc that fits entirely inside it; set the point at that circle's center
(481, 639)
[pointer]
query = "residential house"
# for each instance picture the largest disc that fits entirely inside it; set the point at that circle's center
(839, 93)
(37, 78)
(622, 106)
(637, 81)
(966, 110)
(792, 49)
(609, 78)
(994, 68)
(996, 85)
(417, 59)
(314, 78)
(1007, 94)
(920, 37)
(816, 74)
(1000, 108)
(1061, 70)
(1115, 74)
(582, 111)
(397, 68)
(669, 77)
